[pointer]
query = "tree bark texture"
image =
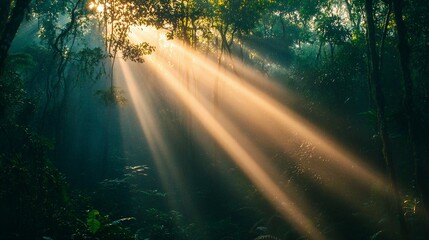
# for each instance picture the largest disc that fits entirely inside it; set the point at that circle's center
(408, 103)
(404, 55)
(375, 77)
(10, 28)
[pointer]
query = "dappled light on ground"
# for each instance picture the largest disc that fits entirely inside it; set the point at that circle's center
(241, 112)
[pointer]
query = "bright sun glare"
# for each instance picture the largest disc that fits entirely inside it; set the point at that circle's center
(97, 6)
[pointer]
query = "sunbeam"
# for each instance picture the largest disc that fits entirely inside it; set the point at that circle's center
(238, 153)
(247, 122)
(262, 104)
(142, 99)
(213, 119)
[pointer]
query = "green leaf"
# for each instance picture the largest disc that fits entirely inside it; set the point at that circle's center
(93, 213)
(92, 222)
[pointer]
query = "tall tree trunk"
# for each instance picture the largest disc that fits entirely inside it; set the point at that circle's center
(404, 55)
(408, 103)
(384, 34)
(10, 28)
(375, 76)
(4, 14)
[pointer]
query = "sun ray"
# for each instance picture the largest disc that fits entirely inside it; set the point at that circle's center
(287, 119)
(241, 157)
(142, 100)
(247, 119)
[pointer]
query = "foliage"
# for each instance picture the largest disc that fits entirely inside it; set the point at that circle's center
(116, 18)
(135, 51)
(12, 96)
(89, 59)
(160, 225)
(233, 17)
(331, 29)
(40, 209)
(33, 196)
(112, 95)
(98, 226)
(186, 20)
(295, 34)
(92, 222)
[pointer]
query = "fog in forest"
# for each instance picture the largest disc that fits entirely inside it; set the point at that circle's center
(202, 119)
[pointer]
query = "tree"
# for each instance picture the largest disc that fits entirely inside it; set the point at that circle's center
(375, 77)
(332, 31)
(404, 53)
(233, 17)
(116, 18)
(10, 20)
(183, 19)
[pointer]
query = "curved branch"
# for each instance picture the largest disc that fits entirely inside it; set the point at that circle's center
(64, 33)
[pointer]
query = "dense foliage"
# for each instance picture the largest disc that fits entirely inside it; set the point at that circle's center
(364, 60)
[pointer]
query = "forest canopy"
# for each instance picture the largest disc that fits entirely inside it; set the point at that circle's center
(214, 119)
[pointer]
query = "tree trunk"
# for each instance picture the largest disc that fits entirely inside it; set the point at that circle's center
(408, 104)
(373, 61)
(404, 55)
(4, 14)
(384, 34)
(10, 29)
